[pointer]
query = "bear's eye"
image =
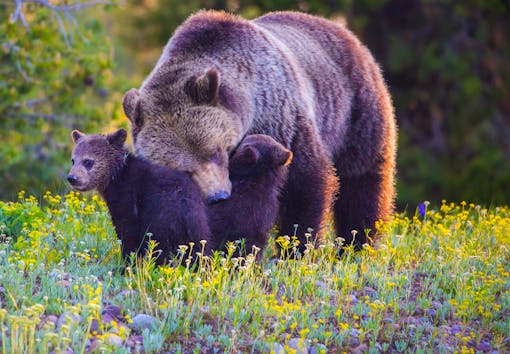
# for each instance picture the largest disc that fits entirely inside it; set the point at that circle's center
(217, 157)
(72, 161)
(88, 164)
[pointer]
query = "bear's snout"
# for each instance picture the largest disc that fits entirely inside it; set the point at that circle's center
(222, 195)
(213, 181)
(72, 179)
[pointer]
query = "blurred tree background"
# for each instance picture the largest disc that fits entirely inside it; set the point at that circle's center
(447, 64)
(55, 75)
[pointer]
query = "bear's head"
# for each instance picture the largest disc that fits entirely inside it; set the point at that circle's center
(177, 121)
(257, 156)
(96, 159)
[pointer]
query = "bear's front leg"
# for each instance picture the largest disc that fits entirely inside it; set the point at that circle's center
(310, 190)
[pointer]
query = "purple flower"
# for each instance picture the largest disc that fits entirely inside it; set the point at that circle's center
(422, 209)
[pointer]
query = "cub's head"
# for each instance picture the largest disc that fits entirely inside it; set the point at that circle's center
(257, 156)
(96, 158)
(178, 121)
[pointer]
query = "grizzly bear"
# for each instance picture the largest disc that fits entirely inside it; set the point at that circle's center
(142, 198)
(145, 198)
(306, 81)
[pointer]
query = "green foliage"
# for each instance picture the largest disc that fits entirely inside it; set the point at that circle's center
(435, 283)
(51, 81)
(446, 64)
(149, 24)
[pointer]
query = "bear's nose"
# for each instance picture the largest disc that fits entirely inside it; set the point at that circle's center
(222, 195)
(72, 179)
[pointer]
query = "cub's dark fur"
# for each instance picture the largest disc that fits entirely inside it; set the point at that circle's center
(142, 197)
(258, 170)
(145, 198)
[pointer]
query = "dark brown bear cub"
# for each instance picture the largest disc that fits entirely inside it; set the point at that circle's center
(142, 198)
(145, 198)
(258, 171)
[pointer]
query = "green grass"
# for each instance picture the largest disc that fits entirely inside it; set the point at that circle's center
(439, 284)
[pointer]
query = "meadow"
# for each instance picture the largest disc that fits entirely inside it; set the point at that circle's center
(437, 281)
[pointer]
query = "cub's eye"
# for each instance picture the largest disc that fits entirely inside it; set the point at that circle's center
(72, 161)
(88, 164)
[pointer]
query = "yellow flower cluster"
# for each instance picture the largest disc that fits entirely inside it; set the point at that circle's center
(456, 255)
(279, 307)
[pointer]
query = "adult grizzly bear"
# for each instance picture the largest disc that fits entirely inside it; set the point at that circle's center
(303, 80)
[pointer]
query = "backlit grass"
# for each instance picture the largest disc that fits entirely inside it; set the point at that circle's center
(434, 283)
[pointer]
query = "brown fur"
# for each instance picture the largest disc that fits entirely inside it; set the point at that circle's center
(106, 155)
(303, 80)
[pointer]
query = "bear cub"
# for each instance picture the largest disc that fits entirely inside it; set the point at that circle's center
(142, 198)
(145, 198)
(258, 172)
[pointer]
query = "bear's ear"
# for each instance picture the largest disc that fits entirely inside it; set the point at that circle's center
(131, 106)
(77, 135)
(249, 155)
(206, 88)
(118, 138)
(283, 157)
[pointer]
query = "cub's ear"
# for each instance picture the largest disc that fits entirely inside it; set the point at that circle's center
(77, 135)
(283, 157)
(249, 155)
(131, 106)
(118, 138)
(205, 89)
